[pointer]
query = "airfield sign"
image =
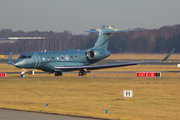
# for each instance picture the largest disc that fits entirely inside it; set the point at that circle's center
(2, 74)
(148, 74)
(128, 93)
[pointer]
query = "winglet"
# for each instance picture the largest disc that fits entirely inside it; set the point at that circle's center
(10, 59)
(168, 55)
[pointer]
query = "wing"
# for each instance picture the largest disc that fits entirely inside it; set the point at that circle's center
(95, 67)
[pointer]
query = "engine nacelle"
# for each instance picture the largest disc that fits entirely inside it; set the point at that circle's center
(90, 54)
(96, 54)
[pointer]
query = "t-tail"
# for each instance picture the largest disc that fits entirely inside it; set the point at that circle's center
(103, 39)
(99, 51)
(104, 34)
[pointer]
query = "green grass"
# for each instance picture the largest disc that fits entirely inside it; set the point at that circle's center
(84, 96)
(153, 99)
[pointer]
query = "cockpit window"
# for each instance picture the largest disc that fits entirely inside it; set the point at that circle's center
(23, 57)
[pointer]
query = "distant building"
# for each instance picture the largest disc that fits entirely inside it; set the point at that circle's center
(25, 38)
(4, 40)
(15, 39)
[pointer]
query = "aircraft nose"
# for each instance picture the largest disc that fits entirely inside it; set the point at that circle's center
(18, 64)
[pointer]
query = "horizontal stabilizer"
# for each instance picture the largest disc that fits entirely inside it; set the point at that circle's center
(112, 31)
(93, 31)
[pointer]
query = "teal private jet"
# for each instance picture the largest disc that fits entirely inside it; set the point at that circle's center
(73, 59)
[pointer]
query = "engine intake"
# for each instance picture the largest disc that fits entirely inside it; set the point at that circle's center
(90, 54)
(97, 54)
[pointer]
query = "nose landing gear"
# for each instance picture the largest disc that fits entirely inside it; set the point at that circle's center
(23, 72)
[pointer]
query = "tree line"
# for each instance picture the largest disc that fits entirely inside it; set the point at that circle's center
(160, 40)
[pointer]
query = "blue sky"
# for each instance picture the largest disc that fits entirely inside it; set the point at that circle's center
(80, 15)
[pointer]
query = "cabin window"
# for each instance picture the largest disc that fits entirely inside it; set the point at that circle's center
(62, 57)
(76, 57)
(67, 58)
(71, 57)
(52, 58)
(43, 58)
(57, 58)
(48, 58)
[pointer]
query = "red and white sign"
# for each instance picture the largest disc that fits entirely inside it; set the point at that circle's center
(146, 74)
(2, 74)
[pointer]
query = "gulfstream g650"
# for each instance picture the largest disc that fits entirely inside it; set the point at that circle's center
(73, 59)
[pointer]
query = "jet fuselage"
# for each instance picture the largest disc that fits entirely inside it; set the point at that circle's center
(47, 61)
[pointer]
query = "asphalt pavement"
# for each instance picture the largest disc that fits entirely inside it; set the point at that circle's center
(21, 115)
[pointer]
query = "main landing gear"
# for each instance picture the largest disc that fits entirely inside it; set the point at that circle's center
(58, 73)
(82, 72)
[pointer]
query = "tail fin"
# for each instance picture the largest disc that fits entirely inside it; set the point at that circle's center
(103, 39)
(104, 34)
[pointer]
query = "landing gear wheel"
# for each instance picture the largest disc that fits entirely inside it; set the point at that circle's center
(58, 73)
(79, 73)
(23, 72)
(82, 73)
